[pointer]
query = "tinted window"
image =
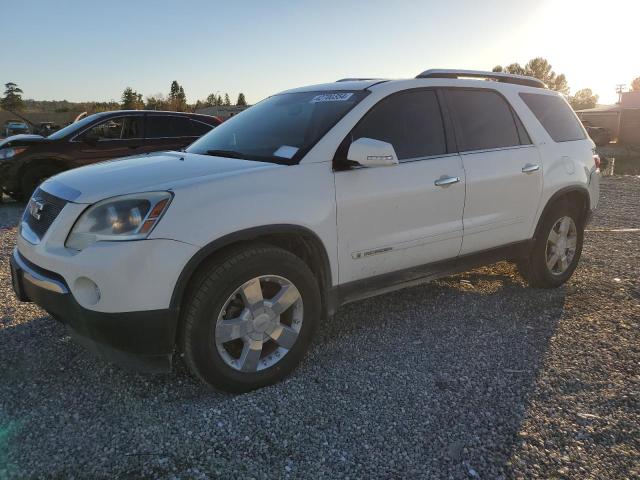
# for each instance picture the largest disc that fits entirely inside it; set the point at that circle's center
(410, 121)
(484, 120)
(181, 127)
(555, 115)
(159, 126)
(167, 126)
(122, 128)
(199, 128)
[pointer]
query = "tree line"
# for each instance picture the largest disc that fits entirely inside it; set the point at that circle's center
(541, 69)
(176, 100)
(12, 101)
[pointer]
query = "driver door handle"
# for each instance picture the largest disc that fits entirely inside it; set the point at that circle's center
(530, 168)
(446, 181)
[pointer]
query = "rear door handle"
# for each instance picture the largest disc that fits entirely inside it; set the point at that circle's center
(530, 168)
(445, 181)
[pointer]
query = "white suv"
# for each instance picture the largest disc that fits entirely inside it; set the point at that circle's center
(232, 251)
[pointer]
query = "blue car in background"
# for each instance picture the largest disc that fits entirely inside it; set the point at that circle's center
(15, 128)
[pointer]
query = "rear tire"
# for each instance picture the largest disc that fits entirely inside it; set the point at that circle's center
(33, 177)
(249, 318)
(556, 252)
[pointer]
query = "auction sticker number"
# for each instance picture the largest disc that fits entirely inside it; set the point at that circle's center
(332, 97)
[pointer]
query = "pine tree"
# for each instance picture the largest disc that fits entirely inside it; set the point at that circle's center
(241, 102)
(12, 100)
(132, 100)
(227, 100)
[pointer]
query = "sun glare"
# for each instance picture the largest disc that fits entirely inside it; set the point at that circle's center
(593, 42)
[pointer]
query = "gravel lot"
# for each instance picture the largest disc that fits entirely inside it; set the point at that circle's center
(473, 376)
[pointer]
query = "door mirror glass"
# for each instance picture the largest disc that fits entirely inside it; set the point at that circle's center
(372, 153)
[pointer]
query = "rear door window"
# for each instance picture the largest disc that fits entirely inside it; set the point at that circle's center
(484, 120)
(555, 115)
(159, 126)
(170, 126)
(410, 121)
(182, 127)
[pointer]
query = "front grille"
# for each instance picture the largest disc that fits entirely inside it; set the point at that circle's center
(47, 207)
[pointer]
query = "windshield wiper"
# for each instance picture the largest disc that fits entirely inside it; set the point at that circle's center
(226, 153)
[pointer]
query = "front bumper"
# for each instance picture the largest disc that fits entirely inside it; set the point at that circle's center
(143, 340)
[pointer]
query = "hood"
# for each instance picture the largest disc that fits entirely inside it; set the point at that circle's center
(22, 139)
(143, 173)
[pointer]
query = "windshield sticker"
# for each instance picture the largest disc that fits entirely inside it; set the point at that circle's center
(285, 151)
(331, 97)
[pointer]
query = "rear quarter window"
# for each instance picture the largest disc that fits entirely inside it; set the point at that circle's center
(555, 115)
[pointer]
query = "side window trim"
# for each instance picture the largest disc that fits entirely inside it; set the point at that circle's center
(519, 125)
(341, 154)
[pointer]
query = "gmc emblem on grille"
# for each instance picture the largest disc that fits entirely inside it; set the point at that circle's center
(35, 208)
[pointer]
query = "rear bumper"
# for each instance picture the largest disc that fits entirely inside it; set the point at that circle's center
(143, 340)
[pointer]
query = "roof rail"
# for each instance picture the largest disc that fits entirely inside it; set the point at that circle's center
(356, 79)
(497, 76)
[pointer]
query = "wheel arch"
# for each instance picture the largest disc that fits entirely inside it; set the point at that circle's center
(568, 195)
(45, 160)
(299, 240)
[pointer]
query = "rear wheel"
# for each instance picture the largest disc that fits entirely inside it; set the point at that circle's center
(33, 177)
(557, 249)
(250, 318)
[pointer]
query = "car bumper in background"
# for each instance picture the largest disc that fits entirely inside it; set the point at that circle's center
(143, 340)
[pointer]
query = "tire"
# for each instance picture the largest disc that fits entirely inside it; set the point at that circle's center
(33, 177)
(216, 294)
(535, 269)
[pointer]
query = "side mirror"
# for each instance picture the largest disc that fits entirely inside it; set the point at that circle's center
(372, 153)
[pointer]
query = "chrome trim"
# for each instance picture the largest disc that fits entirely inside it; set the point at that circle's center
(446, 181)
(28, 234)
(530, 168)
(497, 149)
(38, 279)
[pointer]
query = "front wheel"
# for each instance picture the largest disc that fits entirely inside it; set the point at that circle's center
(250, 318)
(556, 250)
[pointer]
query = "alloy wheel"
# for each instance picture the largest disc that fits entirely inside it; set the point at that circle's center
(561, 245)
(259, 323)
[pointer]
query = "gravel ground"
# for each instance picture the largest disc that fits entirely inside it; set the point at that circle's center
(473, 376)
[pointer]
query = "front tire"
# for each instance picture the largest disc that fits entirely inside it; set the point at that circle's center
(556, 250)
(250, 317)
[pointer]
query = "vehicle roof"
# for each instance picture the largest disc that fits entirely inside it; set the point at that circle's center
(400, 84)
(152, 112)
(344, 85)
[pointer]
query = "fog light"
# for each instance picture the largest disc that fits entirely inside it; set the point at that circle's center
(86, 291)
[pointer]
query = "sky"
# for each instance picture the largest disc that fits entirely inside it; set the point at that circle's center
(91, 51)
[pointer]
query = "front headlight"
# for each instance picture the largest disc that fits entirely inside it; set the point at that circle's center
(129, 217)
(6, 153)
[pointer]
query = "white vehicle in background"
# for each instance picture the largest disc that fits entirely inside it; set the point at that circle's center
(232, 251)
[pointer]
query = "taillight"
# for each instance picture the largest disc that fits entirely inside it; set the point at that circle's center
(596, 159)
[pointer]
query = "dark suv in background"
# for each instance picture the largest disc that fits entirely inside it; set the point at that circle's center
(27, 160)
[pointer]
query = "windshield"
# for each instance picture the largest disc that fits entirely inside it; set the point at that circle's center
(280, 129)
(73, 127)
